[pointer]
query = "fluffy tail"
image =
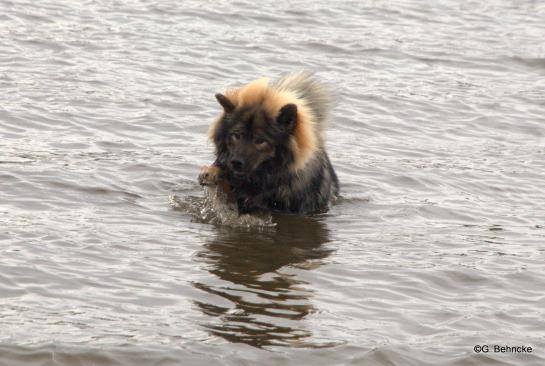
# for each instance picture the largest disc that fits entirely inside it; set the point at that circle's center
(316, 96)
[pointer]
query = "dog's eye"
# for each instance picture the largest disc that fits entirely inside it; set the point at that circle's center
(235, 136)
(259, 141)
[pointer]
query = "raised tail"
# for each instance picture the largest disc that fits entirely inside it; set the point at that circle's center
(316, 95)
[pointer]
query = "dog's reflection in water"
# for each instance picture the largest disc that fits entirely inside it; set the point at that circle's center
(256, 275)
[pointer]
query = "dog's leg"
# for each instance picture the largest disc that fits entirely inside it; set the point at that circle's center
(209, 175)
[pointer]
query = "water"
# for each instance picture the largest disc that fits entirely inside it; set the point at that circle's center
(110, 256)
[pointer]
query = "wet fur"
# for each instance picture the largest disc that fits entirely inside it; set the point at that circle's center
(292, 171)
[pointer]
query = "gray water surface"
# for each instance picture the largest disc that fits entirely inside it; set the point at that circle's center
(108, 255)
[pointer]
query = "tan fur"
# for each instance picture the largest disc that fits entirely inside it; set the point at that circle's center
(305, 140)
(209, 175)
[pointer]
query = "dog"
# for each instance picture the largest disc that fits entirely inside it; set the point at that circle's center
(269, 147)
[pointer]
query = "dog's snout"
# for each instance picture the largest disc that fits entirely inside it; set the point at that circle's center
(237, 164)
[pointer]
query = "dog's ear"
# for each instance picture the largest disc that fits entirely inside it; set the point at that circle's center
(287, 117)
(227, 105)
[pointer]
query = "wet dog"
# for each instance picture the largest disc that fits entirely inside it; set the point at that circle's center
(270, 152)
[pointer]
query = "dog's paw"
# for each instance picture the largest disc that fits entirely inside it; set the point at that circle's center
(209, 175)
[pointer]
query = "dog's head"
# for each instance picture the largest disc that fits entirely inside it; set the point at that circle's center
(250, 138)
(266, 128)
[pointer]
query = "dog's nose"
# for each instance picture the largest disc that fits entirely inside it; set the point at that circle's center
(237, 164)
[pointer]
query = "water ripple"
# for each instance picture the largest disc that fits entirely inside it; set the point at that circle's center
(437, 137)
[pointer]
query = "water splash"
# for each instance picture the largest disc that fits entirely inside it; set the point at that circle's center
(214, 208)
